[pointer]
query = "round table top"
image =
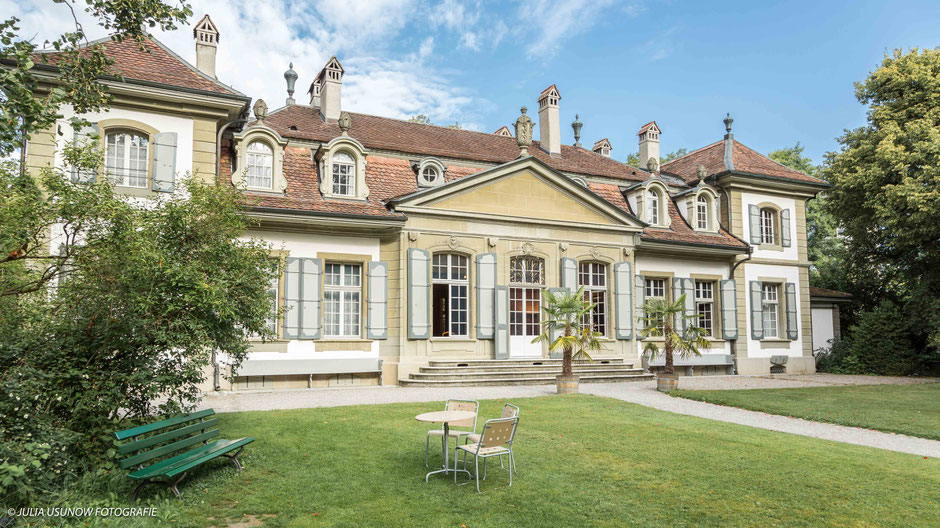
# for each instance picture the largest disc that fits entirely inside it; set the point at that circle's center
(444, 416)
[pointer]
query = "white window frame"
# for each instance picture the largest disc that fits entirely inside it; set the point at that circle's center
(120, 175)
(770, 309)
(768, 226)
(453, 269)
(429, 175)
(527, 270)
(342, 317)
(259, 166)
(705, 305)
(653, 284)
(592, 276)
(653, 209)
(701, 210)
(343, 165)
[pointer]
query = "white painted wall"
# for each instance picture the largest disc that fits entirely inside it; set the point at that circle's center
(823, 329)
(788, 253)
(752, 272)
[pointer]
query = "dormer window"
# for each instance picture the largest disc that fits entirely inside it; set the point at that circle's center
(259, 165)
(653, 207)
(429, 172)
(701, 212)
(344, 174)
(429, 175)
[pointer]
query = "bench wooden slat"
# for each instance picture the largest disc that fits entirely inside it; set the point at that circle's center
(174, 466)
(169, 435)
(167, 449)
(149, 428)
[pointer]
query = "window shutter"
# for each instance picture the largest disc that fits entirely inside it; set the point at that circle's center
(688, 289)
(623, 300)
(501, 341)
(755, 224)
(569, 274)
(729, 310)
(292, 298)
(681, 287)
(757, 324)
(81, 138)
(640, 282)
(377, 315)
(419, 294)
(164, 162)
(486, 295)
(785, 228)
(792, 331)
(557, 332)
(310, 320)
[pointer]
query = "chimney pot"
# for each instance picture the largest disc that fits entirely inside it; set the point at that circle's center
(330, 80)
(207, 40)
(649, 144)
(549, 121)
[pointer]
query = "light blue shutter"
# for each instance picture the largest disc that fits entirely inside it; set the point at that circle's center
(556, 332)
(757, 327)
(501, 341)
(755, 224)
(164, 162)
(486, 295)
(292, 298)
(785, 228)
(311, 274)
(569, 274)
(623, 300)
(82, 137)
(377, 315)
(688, 289)
(682, 287)
(792, 331)
(729, 310)
(640, 283)
(419, 294)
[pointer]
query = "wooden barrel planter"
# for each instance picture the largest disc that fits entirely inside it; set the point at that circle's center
(567, 384)
(667, 382)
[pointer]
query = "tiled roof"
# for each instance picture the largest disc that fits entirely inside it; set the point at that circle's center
(155, 63)
(304, 122)
(644, 128)
(743, 158)
(822, 292)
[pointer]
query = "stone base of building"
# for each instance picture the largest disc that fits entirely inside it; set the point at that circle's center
(795, 365)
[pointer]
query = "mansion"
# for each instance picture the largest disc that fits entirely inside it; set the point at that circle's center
(404, 243)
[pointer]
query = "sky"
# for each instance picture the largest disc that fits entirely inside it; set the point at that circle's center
(784, 70)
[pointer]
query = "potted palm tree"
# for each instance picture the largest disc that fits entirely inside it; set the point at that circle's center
(565, 314)
(659, 321)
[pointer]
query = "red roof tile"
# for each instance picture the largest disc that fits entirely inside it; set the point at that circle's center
(744, 159)
(822, 292)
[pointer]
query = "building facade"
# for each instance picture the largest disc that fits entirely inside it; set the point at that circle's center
(404, 242)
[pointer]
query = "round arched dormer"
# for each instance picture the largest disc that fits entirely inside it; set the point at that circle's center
(342, 167)
(652, 201)
(430, 172)
(260, 160)
(702, 211)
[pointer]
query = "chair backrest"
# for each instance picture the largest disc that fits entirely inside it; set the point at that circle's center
(464, 405)
(498, 432)
(510, 411)
(159, 439)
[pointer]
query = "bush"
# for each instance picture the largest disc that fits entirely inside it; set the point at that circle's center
(880, 343)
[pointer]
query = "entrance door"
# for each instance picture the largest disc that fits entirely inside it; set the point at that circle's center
(527, 275)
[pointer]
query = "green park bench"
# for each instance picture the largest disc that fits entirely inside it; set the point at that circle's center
(175, 438)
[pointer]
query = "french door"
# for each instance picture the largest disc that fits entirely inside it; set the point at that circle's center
(527, 275)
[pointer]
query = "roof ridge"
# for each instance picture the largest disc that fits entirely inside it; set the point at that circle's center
(693, 152)
(775, 161)
(445, 127)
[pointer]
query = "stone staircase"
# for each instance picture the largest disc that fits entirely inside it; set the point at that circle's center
(489, 372)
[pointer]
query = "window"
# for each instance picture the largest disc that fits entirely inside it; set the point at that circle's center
(701, 208)
(260, 165)
(127, 158)
(342, 288)
(652, 207)
(705, 306)
(344, 174)
(656, 288)
(449, 276)
(429, 175)
(592, 276)
(527, 270)
(769, 309)
(768, 220)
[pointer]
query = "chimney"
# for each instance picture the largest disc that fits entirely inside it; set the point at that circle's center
(207, 40)
(331, 82)
(602, 147)
(549, 122)
(315, 93)
(649, 144)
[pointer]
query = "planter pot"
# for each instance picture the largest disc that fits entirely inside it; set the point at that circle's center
(667, 382)
(567, 384)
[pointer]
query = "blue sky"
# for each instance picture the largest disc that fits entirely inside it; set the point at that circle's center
(785, 71)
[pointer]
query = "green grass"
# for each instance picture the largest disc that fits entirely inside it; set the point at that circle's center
(908, 409)
(583, 461)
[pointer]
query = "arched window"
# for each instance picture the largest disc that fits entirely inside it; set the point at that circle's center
(592, 276)
(429, 175)
(344, 174)
(450, 280)
(653, 209)
(768, 226)
(127, 158)
(701, 212)
(260, 165)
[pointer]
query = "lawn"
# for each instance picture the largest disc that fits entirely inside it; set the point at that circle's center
(908, 409)
(583, 461)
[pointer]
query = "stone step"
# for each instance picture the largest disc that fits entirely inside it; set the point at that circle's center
(519, 381)
(520, 375)
(522, 368)
(518, 362)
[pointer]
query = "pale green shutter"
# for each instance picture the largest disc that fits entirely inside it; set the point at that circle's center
(689, 290)
(419, 294)
(501, 341)
(311, 274)
(640, 284)
(785, 228)
(682, 287)
(792, 330)
(486, 295)
(556, 332)
(292, 298)
(757, 325)
(377, 315)
(729, 310)
(164, 162)
(85, 136)
(623, 300)
(569, 274)
(755, 224)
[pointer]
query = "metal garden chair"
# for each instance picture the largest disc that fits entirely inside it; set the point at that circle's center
(509, 411)
(496, 439)
(454, 405)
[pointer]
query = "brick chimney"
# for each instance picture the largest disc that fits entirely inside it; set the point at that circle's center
(207, 40)
(549, 121)
(649, 144)
(331, 84)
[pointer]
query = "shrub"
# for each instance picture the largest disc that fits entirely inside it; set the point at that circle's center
(880, 343)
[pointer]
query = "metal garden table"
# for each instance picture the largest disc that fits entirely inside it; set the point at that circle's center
(445, 417)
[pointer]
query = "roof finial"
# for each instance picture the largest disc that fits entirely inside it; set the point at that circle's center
(261, 110)
(576, 125)
(728, 120)
(291, 77)
(524, 127)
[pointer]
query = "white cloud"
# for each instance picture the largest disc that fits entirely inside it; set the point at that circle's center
(467, 21)
(554, 21)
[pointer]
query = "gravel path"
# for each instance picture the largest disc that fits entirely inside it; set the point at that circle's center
(642, 393)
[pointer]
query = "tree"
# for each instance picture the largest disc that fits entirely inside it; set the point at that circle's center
(421, 119)
(660, 318)
(634, 158)
(885, 194)
(565, 314)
